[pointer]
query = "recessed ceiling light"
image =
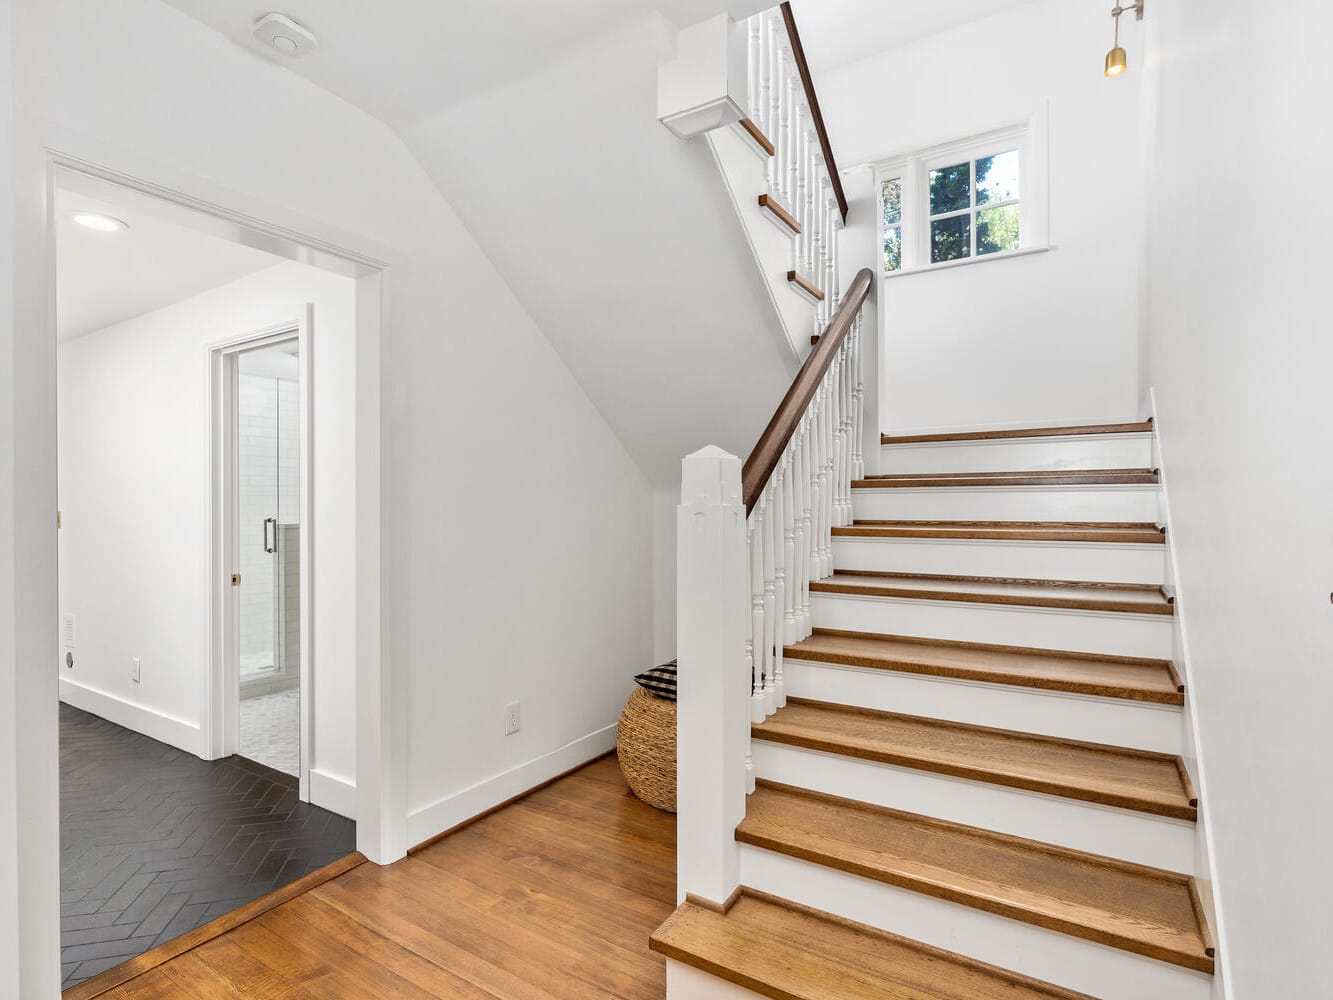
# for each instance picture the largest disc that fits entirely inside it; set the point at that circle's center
(99, 223)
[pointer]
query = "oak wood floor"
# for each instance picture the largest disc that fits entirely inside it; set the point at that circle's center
(554, 896)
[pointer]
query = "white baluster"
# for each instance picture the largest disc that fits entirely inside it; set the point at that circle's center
(784, 136)
(835, 230)
(791, 576)
(749, 618)
(771, 87)
(757, 611)
(852, 364)
(827, 480)
(835, 428)
(775, 694)
(858, 409)
(848, 374)
(816, 240)
(803, 527)
(754, 66)
(832, 250)
(817, 491)
(839, 442)
(770, 597)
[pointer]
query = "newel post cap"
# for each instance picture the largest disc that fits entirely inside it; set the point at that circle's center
(710, 476)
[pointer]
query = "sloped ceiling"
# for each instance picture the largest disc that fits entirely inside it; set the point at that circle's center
(837, 32)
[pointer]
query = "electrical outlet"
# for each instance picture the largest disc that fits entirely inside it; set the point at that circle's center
(511, 718)
(136, 669)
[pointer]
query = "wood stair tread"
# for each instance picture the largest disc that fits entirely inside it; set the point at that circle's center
(792, 952)
(1140, 780)
(1132, 532)
(1047, 477)
(1145, 599)
(1077, 430)
(1139, 909)
(1106, 676)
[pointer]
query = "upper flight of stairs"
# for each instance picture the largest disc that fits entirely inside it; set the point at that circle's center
(975, 788)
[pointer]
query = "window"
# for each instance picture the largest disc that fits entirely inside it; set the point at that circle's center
(891, 198)
(967, 200)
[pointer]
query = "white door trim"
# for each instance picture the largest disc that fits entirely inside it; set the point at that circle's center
(382, 708)
(222, 678)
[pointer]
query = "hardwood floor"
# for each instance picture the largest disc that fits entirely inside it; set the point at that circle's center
(554, 896)
(155, 842)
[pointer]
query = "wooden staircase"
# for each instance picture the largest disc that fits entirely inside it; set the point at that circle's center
(975, 787)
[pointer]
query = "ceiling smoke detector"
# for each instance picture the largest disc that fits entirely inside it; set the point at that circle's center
(285, 36)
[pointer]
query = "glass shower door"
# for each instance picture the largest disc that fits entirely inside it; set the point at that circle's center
(268, 509)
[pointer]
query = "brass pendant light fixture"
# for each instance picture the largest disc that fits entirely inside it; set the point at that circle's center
(1116, 61)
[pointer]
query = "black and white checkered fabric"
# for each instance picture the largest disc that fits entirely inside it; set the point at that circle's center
(660, 681)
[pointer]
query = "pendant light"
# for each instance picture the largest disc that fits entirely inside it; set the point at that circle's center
(1116, 60)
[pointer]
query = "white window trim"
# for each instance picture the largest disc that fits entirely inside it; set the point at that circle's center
(1028, 136)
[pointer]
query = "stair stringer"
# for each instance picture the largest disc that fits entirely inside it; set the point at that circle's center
(741, 163)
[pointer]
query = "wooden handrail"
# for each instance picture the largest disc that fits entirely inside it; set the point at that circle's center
(798, 53)
(768, 450)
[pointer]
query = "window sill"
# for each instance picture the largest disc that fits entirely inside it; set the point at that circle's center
(963, 262)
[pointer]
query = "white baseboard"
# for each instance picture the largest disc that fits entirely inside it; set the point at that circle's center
(337, 795)
(1205, 879)
(179, 733)
(441, 815)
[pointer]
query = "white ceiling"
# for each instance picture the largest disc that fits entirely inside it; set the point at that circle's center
(403, 59)
(837, 32)
(104, 278)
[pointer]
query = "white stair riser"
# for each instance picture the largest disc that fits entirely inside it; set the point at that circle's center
(1095, 561)
(1112, 633)
(1061, 959)
(685, 982)
(1102, 451)
(1134, 503)
(1158, 841)
(1115, 721)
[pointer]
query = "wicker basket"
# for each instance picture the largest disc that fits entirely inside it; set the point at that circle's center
(646, 746)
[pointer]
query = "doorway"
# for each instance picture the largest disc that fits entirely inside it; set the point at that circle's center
(266, 490)
(185, 452)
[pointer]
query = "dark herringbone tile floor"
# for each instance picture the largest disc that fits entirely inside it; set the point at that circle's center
(155, 842)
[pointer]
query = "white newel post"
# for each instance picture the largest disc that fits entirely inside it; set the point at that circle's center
(712, 711)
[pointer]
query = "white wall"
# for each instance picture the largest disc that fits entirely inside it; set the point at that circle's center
(1046, 338)
(29, 926)
(1238, 352)
(488, 593)
(664, 574)
(134, 473)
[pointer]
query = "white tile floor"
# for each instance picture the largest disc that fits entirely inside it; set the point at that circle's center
(270, 730)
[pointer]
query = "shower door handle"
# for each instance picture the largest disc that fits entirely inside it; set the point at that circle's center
(271, 543)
